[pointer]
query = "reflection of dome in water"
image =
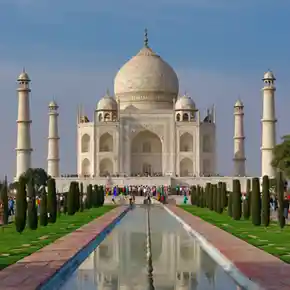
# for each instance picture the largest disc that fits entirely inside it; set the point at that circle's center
(146, 81)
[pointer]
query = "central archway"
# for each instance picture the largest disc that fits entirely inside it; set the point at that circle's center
(146, 154)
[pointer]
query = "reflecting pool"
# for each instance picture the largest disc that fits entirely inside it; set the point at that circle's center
(120, 260)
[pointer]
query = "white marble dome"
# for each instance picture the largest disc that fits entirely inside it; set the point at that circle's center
(184, 103)
(239, 103)
(146, 81)
(269, 76)
(23, 76)
(107, 103)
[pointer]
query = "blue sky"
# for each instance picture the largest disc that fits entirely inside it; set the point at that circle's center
(73, 49)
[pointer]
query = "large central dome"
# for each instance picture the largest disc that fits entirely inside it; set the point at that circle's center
(146, 81)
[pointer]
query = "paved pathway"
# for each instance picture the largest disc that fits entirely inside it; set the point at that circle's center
(34, 270)
(261, 267)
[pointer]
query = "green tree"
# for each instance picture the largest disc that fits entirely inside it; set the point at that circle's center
(89, 199)
(77, 197)
(219, 208)
(95, 196)
(225, 195)
(214, 197)
(280, 193)
(230, 204)
(237, 200)
(51, 200)
(281, 154)
(71, 205)
(65, 195)
(247, 201)
(210, 199)
(21, 206)
(43, 218)
(102, 197)
(81, 197)
(31, 209)
(265, 201)
(4, 199)
(192, 195)
(256, 202)
(39, 176)
(207, 189)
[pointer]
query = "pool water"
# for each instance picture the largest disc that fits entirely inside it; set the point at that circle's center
(119, 262)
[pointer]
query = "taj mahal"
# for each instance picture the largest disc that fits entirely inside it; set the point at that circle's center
(146, 133)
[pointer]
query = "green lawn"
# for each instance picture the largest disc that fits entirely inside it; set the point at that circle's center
(271, 239)
(15, 246)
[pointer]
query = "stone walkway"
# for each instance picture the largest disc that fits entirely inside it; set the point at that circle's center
(34, 270)
(261, 267)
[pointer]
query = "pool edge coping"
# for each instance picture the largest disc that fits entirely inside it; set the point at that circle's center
(50, 272)
(226, 264)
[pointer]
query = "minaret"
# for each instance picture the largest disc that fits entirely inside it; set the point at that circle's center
(23, 150)
(268, 124)
(53, 140)
(239, 140)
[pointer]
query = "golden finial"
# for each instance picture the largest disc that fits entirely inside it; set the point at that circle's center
(146, 37)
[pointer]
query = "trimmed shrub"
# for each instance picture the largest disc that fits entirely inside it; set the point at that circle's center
(280, 193)
(207, 189)
(214, 197)
(256, 202)
(43, 218)
(4, 199)
(247, 201)
(210, 191)
(192, 195)
(71, 198)
(266, 201)
(65, 194)
(81, 197)
(77, 197)
(230, 203)
(89, 198)
(219, 199)
(102, 197)
(237, 200)
(21, 205)
(225, 195)
(31, 208)
(51, 201)
(95, 196)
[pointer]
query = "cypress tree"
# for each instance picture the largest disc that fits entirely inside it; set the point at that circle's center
(207, 188)
(202, 197)
(102, 197)
(220, 197)
(71, 205)
(31, 209)
(65, 194)
(4, 199)
(89, 196)
(81, 197)
(95, 196)
(280, 193)
(225, 195)
(237, 200)
(197, 196)
(191, 196)
(256, 202)
(58, 205)
(51, 200)
(21, 205)
(210, 191)
(214, 197)
(265, 201)
(230, 203)
(247, 201)
(43, 218)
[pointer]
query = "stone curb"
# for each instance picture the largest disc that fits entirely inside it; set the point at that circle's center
(53, 264)
(217, 256)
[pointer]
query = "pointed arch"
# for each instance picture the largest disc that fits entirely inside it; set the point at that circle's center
(146, 153)
(186, 142)
(85, 143)
(106, 167)
(106, 143)
(186, 167)
(86, 167)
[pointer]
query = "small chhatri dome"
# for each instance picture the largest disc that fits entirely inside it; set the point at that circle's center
(239, 103)
(107, 103)
(269, 76)
(23, 76)
(53, 104)
(184, 103)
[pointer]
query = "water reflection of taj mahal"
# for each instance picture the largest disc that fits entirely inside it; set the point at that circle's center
(176, 261)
